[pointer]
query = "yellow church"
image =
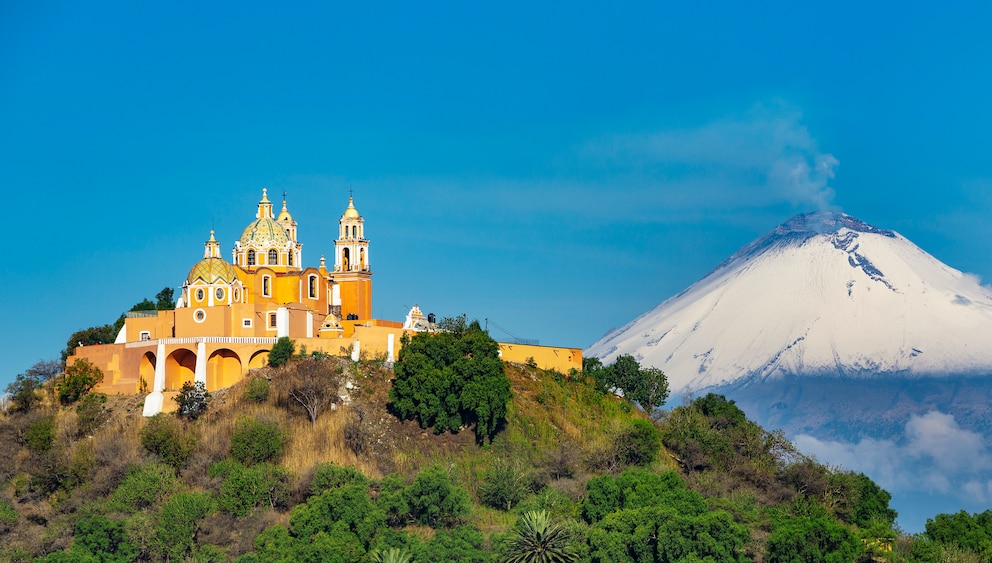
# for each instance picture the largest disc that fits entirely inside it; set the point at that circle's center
(229, 314)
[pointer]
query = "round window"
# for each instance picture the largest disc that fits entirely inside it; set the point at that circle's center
(219, 293)
(237, 295)
(199, 315)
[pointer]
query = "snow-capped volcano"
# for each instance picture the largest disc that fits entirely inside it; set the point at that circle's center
(823, 294)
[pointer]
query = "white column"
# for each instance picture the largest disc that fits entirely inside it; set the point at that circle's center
(154, 400)
(200, 373)
(389, 348)
(355, 351)
(309, 324)
(282, 322)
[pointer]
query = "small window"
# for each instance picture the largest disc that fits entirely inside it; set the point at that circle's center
(251, 257)
(272, 320)
(219, 294)
(145, 335)
(237, 295)
(199, 316)
(273, 257)
(313, 287)
(267, 286)
(246, 323)
(290, 258)
(199, 295)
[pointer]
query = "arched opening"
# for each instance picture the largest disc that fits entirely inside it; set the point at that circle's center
(354, 232)
(291, 258)
(146, 370)
(312, 285)
(259, 359)
(223, 369)
(180, 367)
(251, 257)
(267, 286)
(361, 259)
(273, 257)
(345, 258)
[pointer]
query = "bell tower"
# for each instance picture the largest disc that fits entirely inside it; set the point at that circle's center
(352, 273)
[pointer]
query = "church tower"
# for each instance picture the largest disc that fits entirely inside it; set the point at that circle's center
(269, 242)
(352, 273)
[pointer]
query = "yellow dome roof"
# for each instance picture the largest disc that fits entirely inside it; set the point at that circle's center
(264, 232)
(284, 215)
(212, 270)
(351, 212)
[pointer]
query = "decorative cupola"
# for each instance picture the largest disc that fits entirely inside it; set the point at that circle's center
(211, 281)
(351, 297)
(269, 242)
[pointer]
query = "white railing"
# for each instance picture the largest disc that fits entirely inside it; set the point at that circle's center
(205, 339)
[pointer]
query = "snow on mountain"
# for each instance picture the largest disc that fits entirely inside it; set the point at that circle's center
(823, 294)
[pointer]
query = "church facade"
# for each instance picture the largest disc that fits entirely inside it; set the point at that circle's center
(229, 314)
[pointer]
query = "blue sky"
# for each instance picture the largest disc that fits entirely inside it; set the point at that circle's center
(558, 168)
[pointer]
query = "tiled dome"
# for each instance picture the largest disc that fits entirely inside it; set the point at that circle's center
(212, 270)
(264, 232)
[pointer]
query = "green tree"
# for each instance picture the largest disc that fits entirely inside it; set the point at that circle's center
(246, 488)
(281, 352)
(23, 392)
(813, 536)
(40, 436)
(81, 377)
(536, 539)
(451, 379)
(178, 521)
(435, 500)
(105, 334)
(193, 400)
(165, 300)
(647, 387)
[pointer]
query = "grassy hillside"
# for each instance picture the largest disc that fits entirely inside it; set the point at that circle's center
(253, 475)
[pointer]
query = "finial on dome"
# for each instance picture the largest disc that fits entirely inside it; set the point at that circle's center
(265, 195)
(212, 239)
(351, 212)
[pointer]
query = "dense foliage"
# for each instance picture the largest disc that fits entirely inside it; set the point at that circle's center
(451, 379)
(78, 380)
(193, 400)
(281, 352)
(648, 387)
(577, 475)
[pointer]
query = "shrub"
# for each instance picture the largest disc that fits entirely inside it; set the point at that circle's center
(502, 485)
(22, 391)
(328, 476)
(143, 486)
(8, 516)
(90, 412)
(175, 531)
(281, 352)
(40, 436)
(245, 488)
(79, 379)
(639, 443)
(434, 500)
(103, 539)
(193, 400)
(255, 441)
(163, 436)
(257, 390)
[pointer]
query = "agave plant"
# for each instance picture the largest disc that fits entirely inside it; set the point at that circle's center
(391, 555)
(537, 540)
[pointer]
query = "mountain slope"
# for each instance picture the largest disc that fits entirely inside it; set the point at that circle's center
(823, 294)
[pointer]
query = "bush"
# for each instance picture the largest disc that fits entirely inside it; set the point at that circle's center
(257, 390)
(193, 400)
(79, 379)
(255, 441)
(40, 436)
(502, 486)
(143, 486)
(328, 476)
(640, 443)
(8, 516)
(434, 500)
(175, 531)
(22, 391)
(245, 488)
(103, 539)
(163, 436)
(90, 412)
(281, 352)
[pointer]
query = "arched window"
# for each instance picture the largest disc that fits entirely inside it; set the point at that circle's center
(273, 257)
(251, 257)
(346, 260)
(291, 258)
(354, 231)
(361, 259)
(313, 287)
(267, 286)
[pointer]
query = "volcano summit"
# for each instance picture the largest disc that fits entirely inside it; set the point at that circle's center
(822, 295)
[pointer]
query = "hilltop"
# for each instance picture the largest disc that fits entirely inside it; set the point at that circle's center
(82, 479)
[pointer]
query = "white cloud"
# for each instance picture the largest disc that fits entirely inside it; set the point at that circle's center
(933, 454)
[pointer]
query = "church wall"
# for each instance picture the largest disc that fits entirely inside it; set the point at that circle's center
(356, 297)
(546, 357)
(159, 326)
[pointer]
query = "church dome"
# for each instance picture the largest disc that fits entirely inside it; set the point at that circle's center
(351, 212)
(212, 270)
(264, 232)
(284, 216)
